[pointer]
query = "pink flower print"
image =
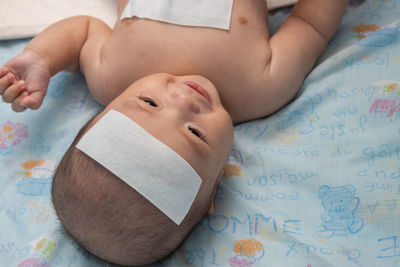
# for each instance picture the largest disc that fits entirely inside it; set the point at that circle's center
(16, 142)
(21, 130)
(2, 145)
(33, 262)
(237, 262)
(11, 134)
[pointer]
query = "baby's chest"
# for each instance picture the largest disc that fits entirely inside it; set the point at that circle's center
(230, 59)
(145, 46)
(247, 27)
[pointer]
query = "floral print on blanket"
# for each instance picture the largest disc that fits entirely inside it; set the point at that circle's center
(11, 134)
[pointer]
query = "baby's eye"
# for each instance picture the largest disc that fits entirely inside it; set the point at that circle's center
(149, 101)
(195, 132)
(198, 134)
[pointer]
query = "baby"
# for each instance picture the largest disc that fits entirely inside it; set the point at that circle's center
(145, 70)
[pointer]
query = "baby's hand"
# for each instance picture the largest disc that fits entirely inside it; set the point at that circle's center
(24, 81)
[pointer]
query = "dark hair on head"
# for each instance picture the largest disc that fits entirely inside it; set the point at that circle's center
(110, 219)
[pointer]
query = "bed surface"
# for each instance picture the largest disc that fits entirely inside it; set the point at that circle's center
(316, 184)
(24, 18)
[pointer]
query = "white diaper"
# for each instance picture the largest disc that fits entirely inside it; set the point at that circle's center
(274, 4)
(199, 13)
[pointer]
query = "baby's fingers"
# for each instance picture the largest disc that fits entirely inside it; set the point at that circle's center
(13, 91)
(16, 104)
(3, 71)
(6, 79)
(33, 100)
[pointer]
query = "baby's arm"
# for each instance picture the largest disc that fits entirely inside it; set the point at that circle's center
(71, 44)
(298, 43)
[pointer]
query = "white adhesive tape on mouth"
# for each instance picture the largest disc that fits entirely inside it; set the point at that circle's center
(198, 13)
(143, 162)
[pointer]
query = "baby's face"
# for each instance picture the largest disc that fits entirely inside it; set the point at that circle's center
(185, 113)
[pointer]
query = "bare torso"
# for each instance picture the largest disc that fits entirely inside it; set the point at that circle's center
(233, 60)
(255, 74)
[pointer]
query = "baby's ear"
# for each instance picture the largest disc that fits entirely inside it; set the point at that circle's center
(211, 209)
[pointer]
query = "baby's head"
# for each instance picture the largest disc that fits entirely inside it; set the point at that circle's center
(109, 218)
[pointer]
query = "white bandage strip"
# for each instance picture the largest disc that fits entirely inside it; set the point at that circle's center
(199, 13)
(143, 162)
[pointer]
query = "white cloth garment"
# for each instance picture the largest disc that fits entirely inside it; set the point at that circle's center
(199, 13)
(274, 4)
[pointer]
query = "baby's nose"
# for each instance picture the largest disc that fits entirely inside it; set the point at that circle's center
(184, 101)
